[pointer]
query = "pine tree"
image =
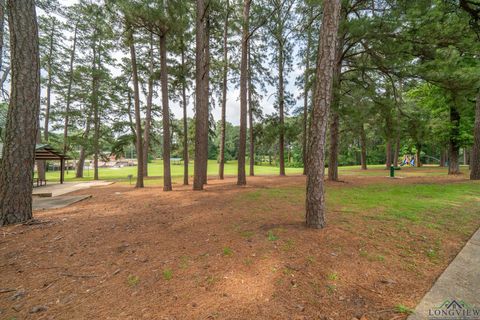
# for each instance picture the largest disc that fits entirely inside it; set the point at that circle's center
(16, 173)
(315, 198)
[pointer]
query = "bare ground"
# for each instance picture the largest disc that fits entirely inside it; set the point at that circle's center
(148, 254)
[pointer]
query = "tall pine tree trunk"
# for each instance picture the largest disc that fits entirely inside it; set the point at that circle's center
(334, 143)
(82, 155)
(241, 179)
(96, 118)
(327, 48)
(363, 146)
(388, 154)
(281, 109)
(443, 157)
(418, 163)
(201, 103)
(49, 85)
(250, 116)
(167, 178)
(69, 92)
(221, 164)
(16, 167)
(475, 159)
(185, 120)
(136, 99)
(148, 111)
(306, 93)
(397, 152)
(454, 148)
(335, 117)
(40, 163)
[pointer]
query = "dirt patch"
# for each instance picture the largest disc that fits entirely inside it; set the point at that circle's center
(149, 254)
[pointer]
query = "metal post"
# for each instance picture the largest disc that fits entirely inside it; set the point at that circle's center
(62, 162)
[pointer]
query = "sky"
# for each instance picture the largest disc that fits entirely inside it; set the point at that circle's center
(233, 101)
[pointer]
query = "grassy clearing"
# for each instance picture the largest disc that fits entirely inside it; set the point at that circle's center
(431, 205)
(156, 172)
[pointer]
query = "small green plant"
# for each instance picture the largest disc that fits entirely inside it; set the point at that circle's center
(271, 236)
(133, 280)
(288, 245)
(247, 234)
(400, 308)
(380, 257)
(227, 252)
(167, 274)
(183, 262)
(363, 253)
(331, 288)
(432, 254)
(310, 259)
(332, 276)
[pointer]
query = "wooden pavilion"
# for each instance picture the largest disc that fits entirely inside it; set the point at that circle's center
(46, 152)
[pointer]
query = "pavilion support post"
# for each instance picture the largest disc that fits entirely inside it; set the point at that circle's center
(62, 168)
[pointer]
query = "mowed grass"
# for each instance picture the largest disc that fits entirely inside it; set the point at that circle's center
(455, 206)
(155, 170)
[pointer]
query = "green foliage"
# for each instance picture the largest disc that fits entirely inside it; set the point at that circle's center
(167, 274)
(271, 236)
(227, 252)
(133, 280)
(400, 308)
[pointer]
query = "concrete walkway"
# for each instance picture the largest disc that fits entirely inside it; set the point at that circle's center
(67, 187)
(456, 293)
(56, 202)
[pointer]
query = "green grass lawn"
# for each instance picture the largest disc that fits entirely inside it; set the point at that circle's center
(155, 170)
(439, 206)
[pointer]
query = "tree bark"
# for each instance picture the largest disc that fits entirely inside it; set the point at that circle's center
(96, 118)
(454, 148)
(418, 163)
(49, 85)
(327, 48)
(167, 178)
(81, 157)
(69, 91)
(334, 144)
(148, 111)
(281, 108)
(363, 146)
(396, 154)
(185, 121)
(16, 174)
(40, 163)
(242, 179)
(201, 102)
(221, 164)
(306, 93)
(136, 99)
(2, 31)
(250, 117)
(443, 157)
(475, 159)
(388, 154)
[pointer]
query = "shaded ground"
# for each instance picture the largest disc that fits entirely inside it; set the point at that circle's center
(238, 253)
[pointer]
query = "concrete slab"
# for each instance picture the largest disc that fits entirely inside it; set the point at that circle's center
(67, 187)
(56, 202)
(456, 293)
